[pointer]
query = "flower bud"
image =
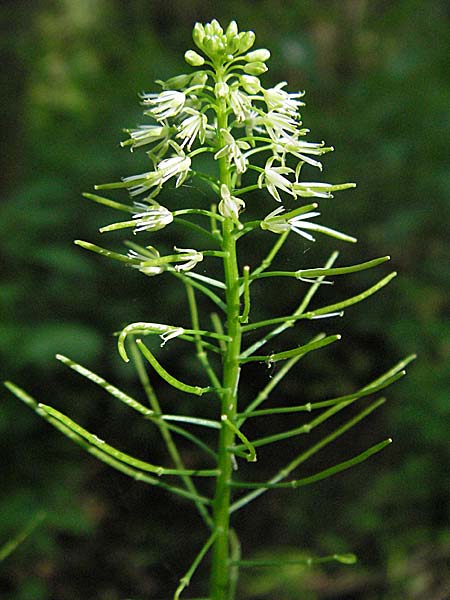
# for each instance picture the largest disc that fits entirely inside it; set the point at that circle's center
(175, 83)
(216, 27)
(246, 40)
(257, 55)
(199, 78)
(212, 45)
(198, 34)
(232, 30)
(250, 84)
(221, 89)
(194, 59)
(255, 68)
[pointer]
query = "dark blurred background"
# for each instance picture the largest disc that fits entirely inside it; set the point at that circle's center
(374, 73)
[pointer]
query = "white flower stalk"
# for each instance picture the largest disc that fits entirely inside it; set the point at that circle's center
(166, 104)
(279, 100)
(232, 149)
(151, 218)
(230, 206)
(192, 127)
(189, 257)
(273, 179)
(297, 221)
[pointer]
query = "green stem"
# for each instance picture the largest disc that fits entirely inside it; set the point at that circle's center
(220, 580)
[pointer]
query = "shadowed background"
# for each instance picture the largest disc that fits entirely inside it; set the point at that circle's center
(374, 77)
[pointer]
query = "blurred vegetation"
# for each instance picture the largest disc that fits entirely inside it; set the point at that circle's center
(374, 72)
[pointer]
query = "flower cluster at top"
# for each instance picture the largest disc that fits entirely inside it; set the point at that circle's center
(222, 108)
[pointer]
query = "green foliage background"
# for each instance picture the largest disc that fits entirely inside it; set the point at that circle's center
(376, 90)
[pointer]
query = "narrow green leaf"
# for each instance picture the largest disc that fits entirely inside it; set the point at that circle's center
(246, 288)
(118, 225)
(179, 385)
(107, 253)
(348, 559)
(110, 203)
(310, 406)
(251, 454)
(305, 455)
(287, 322)
(202, 288)
(97, 453)
(21, 536)
(192, 438)
(350, 301)
(108, 387)
(300, 351)
(114, 452)
(342, 466)
(186, 579)
(322, 271)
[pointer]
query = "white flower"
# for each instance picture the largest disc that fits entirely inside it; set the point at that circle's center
(301, 148)
(230, 206)
(296, 221)
(138, 184)
(232, 150)
(151, 218)
(176, 166)
(307, 189)
(272, 178)
(146, 134)
(279, 100)
(240, 104)
(166, 104)
(279, 124)
(192, 127)
(149, 258)
(190, 258)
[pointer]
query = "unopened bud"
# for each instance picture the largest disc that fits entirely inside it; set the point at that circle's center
(221, 89)
(198, 34)
(216, 27)
(255, 68)
(246, 40)
(212, 45)
(194, 59)
(232, 30)
(175, 83)
(199, 78)
(250, 84)
(257, 55)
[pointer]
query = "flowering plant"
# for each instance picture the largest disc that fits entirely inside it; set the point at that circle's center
(256, 143)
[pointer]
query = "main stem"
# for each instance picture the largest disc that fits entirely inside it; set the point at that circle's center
(219, 582)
